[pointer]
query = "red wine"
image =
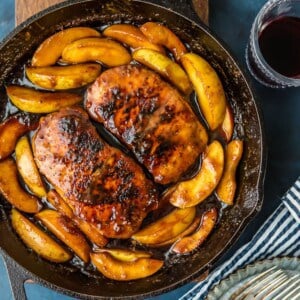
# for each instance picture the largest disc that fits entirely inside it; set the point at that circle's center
(279, 42)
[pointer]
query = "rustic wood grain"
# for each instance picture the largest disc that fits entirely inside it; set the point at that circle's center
(202, 9)
(26, 8)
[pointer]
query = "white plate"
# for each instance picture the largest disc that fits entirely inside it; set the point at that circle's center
(228, 286)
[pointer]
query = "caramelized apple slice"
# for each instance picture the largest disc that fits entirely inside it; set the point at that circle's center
(227, 185)
(50, 50)
(122, 270)
(63, 77)
(167, 227)
(125, 254)
(184, 233)
(226, 129)
(63, 228)
(11, 189)
(190, 243)
(132, 36)
(59, 204)
(37, 240)
(161, 35)
(34, 101)
(12, 128)
(165, 67)
(191, 192)
(27, 167)
(90, 230)
(208, 87)
(103, 50)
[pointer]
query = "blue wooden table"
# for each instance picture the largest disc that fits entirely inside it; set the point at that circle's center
(231, 21)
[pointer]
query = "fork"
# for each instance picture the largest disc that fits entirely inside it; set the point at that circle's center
(272, 284)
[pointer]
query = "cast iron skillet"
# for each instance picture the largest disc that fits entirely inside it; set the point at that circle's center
(18, 47)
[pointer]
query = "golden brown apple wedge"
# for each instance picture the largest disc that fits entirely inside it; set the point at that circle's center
(59, 204)
(167, 227)
(190, 243)
(104, 50)
(184, 233)
(208, 87)
(90, 230)
(161, 35)
(165, 67)
(12, 191)
(66, 231)
(51, 49)
(191, 192)
(37, 240)
(124, 254)
(132, 36)
(31, 100)
(123, 271)
(227, 185)
(13, 128)
(63, 77)
(27, 167)
(227, 127)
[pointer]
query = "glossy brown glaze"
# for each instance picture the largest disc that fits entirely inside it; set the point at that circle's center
(150, 117)
(100, 183)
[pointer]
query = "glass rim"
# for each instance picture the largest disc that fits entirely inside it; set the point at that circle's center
(254, 32)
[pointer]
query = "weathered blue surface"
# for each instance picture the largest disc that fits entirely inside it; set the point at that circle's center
(231, 21)
(7, 17)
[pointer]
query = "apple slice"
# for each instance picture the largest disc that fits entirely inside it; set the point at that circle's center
(162, 35)
(13, 128)
(38, 240)
(28, 169)
(132, 36)
(208, 87)
(51, 49)
(102, 50)
(191, 192)
(12, 191)
(90, 230)
(34, 101)
(190, 243)
(64, 229)
(226, 129)
(123, 270)
(63, 77)
(227, 185)
(167, 227)
(59, 204)
(165, 67)
(125, 254)
(184, 233)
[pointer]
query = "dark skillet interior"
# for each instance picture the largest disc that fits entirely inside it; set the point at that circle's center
(19, 47)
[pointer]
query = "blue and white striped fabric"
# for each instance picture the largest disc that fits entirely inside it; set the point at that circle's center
(278, 236)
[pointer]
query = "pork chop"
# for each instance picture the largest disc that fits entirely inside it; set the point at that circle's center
(150, 117)
(100, 183)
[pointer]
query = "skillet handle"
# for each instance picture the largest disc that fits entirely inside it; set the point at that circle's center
(201, 7)
(192, 9)
(17, 277)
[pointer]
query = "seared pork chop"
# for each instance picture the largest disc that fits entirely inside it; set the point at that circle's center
(150, 117)
(100, 183)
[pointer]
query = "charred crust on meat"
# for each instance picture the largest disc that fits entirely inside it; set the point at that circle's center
(150, 117)
(101, 184)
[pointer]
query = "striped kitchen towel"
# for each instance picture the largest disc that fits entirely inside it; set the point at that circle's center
(278, 236)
